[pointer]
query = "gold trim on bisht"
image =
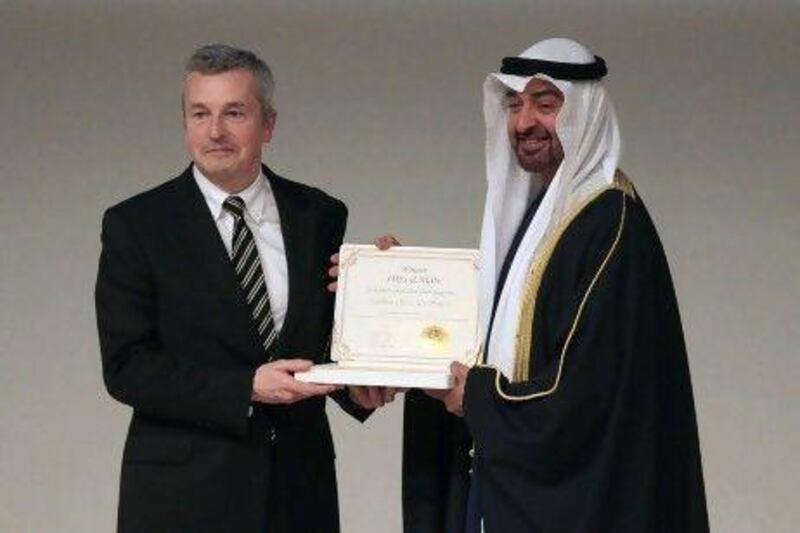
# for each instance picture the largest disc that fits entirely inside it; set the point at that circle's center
(524, 337)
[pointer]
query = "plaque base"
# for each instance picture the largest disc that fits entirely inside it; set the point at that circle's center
(335, 374)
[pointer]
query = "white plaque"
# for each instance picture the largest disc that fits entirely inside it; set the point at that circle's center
(402, 316)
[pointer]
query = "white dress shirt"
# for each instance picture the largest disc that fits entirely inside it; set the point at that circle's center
(261, 216)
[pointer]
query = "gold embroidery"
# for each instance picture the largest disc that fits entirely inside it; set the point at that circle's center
(476, 358)
(524, 337)
(623, 183)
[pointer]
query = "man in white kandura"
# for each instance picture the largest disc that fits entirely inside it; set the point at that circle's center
(580, 417)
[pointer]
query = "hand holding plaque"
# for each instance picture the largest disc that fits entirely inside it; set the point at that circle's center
(402, 316)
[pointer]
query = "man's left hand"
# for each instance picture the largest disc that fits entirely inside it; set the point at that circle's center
(384, 242)
(453, 399)
(333, 272)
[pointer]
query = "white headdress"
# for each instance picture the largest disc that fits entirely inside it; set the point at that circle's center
(587, 128)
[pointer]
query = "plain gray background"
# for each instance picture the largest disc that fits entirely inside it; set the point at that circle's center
(380, 104)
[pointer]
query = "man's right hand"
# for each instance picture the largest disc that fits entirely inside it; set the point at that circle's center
(274, 383)
(453, 399)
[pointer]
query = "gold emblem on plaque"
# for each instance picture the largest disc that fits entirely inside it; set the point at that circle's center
(435, 339)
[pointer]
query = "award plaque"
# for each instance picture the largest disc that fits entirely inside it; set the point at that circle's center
(402, 316)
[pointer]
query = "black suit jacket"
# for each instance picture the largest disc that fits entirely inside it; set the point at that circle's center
(179, 346)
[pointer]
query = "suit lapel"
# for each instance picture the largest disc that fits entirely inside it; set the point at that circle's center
(214, 265)
(298, 242)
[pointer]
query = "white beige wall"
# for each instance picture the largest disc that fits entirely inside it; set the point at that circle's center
(379, 103)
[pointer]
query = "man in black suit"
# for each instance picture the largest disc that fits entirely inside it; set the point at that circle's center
(211, 294)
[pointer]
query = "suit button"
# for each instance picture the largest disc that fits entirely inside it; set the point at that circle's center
(272, 435)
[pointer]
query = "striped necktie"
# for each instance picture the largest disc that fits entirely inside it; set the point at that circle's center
(244, 256)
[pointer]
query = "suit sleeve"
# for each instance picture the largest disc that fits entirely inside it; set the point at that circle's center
(597, 318)
(338, 217)
(137, 370)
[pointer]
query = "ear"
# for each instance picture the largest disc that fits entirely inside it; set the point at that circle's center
(268, 126)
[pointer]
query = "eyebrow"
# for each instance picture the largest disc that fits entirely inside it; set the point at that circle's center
(229, 105)
(546, 92)
(511, 93)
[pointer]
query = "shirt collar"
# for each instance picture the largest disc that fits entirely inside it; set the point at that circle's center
(258, 199)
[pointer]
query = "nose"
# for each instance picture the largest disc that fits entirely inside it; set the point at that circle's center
(217, 130)
(527, 118)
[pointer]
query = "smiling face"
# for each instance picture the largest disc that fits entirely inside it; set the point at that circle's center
(531, 121)
(225, 127)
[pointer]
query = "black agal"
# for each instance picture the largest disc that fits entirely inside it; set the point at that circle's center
(522, 66)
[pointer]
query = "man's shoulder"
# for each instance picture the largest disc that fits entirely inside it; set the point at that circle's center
(618, 211)
(160, 196)
(609, 205)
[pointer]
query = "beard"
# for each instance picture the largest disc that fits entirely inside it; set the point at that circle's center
(538, 151)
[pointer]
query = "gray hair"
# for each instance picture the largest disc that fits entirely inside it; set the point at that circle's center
(218, 58)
